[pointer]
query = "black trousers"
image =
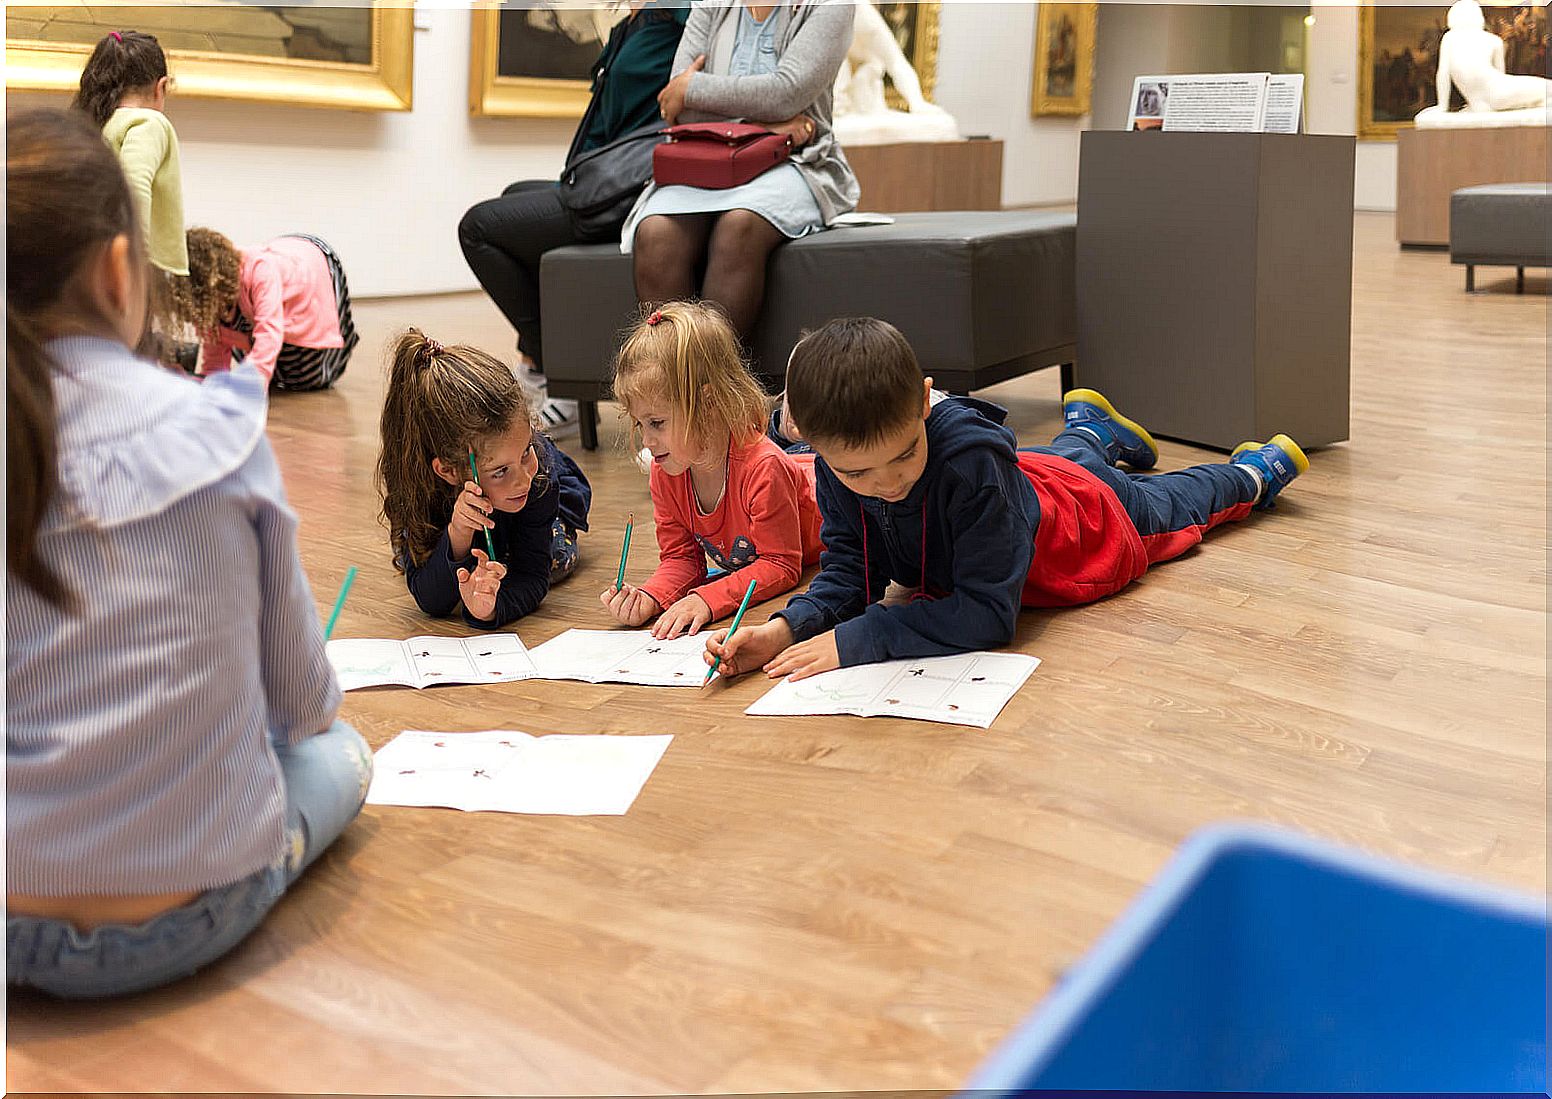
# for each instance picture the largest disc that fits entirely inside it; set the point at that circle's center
(503, 240)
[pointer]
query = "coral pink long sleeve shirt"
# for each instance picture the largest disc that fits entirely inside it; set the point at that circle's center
(765, 528)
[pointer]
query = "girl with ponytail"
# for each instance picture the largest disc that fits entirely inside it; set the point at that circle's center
(173, 761)
(482, 509)
(124, 92)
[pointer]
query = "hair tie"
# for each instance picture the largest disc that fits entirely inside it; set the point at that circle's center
(652, 321)
(117, 37)
(427, 351)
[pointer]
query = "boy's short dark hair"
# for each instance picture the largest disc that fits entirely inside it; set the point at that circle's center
(853, 381)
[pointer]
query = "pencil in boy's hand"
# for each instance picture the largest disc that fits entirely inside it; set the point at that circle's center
(339, 604)
(619, 581)
(716, 661)
(490, 543)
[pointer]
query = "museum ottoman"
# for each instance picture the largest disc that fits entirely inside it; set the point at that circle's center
(982, 296)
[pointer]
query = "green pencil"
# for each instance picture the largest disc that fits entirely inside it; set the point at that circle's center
(339, 604)
(737, 618)
(490, 543)
(619, 582)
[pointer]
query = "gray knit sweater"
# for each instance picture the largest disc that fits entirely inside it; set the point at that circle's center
(812, 37)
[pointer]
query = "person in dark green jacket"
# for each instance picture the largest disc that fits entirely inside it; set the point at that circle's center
(504, 238)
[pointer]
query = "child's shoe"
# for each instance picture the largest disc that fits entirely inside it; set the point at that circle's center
(1277, 462)
(1122, 439)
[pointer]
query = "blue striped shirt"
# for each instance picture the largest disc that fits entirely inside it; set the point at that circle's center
(137, 743)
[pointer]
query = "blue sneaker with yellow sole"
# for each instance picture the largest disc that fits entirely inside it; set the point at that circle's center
(1278, 461)
(1123, 440)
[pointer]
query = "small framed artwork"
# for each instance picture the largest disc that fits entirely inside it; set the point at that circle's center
(1398, 58)
(1064, 59)
(356, 58)
(535, 62)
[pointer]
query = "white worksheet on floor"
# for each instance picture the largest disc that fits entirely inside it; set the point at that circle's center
(428, 661)
(623, 656)
(504, 771)
(965, 689)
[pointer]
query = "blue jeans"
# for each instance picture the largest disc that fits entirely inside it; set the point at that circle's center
(326, 777)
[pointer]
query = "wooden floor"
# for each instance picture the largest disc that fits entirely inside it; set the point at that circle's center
(839, 904)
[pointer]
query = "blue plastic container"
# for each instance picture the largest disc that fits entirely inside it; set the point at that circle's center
(1261, 960)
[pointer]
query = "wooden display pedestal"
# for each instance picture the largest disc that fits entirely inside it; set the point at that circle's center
(928, 175)
(1215, 282)
(1432, 163)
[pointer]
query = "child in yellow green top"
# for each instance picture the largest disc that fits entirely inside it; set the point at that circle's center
(124, 91)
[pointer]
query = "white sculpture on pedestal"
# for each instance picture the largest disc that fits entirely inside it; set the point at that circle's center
(862, 117)
(1472, 58)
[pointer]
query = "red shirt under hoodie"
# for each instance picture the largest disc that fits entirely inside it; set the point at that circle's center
(765, 528)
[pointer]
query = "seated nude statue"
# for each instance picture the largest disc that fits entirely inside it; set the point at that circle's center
(1472, 57)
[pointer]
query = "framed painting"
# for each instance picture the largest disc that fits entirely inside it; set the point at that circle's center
(534, 62)
(356, 58)
(1398, 59)
(1064, 59)
(915, 28)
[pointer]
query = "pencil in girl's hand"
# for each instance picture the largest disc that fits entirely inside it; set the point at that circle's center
(619, 582)
(716, 661)
(490, 543)
(339, 604)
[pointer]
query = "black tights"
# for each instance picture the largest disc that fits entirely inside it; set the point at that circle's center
(735, 245)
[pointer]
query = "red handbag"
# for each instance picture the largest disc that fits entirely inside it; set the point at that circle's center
(717, 155)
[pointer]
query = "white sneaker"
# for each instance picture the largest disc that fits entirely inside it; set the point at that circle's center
(559, 417)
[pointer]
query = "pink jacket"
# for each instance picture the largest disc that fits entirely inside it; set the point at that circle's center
(286, 290)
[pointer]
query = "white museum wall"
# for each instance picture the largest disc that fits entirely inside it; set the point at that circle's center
(986, 58)
(1331, 91)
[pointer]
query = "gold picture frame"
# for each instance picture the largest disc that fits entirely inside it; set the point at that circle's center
(385, 83)
(502, 81)
(915, 26)
(1063, 81)
(1405, 42)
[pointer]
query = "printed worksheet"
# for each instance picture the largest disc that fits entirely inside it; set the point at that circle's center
(501, 771)
(428, 661)
(623, 656)
(967, 689)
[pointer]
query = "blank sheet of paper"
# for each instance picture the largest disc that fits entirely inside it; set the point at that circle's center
(965, 689)
(510, 772)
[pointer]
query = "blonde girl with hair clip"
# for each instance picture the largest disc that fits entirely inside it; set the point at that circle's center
(482, 508)
(720, 488)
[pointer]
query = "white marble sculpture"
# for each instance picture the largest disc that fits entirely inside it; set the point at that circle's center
(862, 117)
(1472, 58)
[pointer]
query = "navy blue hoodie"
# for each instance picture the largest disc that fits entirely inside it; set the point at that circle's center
(964, 534)
(522, 541)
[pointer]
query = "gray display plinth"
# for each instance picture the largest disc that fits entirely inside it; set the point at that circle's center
(1215, 282)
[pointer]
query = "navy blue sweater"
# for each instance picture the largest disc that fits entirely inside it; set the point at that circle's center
(522, 544)
(965, 535)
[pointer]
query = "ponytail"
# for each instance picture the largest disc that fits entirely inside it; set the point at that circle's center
(30, 459)
(439, 403)
(122, 62)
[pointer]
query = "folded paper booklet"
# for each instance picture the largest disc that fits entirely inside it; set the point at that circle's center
(427, 661)
(967, 689)
(623, 656)
(510, 772)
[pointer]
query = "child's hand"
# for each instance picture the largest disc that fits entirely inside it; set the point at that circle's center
(817, 654)
(471, 515)
(478, 591)
(686, 616)
(749, 648)
(629, 606)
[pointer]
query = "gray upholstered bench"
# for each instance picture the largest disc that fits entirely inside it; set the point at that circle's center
(1501, 224)
(982, 296)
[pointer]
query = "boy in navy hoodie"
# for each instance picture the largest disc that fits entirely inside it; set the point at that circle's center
(940, 498)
